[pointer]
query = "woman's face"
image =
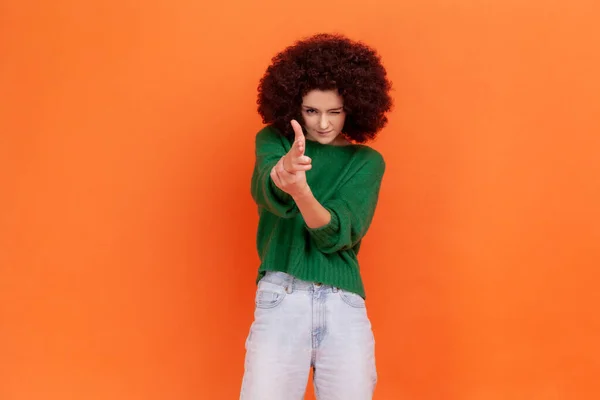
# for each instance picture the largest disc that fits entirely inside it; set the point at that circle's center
(324, 116)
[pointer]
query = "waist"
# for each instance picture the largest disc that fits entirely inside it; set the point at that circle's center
(292, 283)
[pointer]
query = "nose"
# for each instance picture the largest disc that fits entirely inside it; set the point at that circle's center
(323, 123)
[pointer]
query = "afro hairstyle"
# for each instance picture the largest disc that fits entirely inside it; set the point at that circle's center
(327, 62)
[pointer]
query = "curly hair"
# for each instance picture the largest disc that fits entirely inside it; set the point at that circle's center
(327, 62)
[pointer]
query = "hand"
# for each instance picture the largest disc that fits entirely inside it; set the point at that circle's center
(295, 160)
(289, 174)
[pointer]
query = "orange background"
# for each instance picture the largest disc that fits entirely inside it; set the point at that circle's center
(127, 257)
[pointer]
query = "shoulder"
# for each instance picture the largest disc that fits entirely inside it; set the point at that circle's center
(369, 158)
(269, 141)
(267, 133)
(270, 135)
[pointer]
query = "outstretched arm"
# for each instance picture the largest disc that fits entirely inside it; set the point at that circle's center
(271, 154)
(290, 176)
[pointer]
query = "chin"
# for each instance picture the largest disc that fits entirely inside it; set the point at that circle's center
(324, 139)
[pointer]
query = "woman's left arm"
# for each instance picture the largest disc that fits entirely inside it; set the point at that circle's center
(342, 221)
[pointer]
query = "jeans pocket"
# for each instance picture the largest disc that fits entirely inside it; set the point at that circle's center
(352, 299)
(269, 295)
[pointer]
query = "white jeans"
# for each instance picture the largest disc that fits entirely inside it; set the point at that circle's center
(298, 325)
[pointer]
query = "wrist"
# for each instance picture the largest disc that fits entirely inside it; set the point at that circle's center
(302, 194)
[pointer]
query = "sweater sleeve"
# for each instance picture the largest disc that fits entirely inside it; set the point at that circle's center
(351, 209)
(269, 149)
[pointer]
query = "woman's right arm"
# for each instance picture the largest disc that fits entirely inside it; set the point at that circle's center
(269, 150)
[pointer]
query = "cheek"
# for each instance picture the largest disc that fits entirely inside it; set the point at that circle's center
(339, 123)
(310, 121)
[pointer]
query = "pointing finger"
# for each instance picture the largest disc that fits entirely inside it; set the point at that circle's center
(298, 137)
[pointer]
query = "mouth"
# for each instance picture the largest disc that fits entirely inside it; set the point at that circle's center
(324, 133)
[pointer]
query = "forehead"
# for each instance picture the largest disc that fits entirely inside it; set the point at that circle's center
(323, 99)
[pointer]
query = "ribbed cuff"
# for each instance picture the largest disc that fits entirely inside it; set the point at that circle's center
(323, 235)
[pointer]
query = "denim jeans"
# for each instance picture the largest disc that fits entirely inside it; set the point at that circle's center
(298, 325)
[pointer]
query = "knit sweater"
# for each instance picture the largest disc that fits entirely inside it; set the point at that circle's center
(346, 181)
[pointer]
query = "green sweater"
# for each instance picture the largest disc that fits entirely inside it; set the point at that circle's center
(346, 181)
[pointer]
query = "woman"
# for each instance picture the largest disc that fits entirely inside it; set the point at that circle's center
(316, 186)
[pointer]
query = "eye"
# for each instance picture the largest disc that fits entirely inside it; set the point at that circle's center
(336, 112)
(311, 111)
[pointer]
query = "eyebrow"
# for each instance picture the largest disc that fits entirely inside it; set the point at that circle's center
(315, 108)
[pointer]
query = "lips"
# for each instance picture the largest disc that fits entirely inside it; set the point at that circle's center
(323, 133)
